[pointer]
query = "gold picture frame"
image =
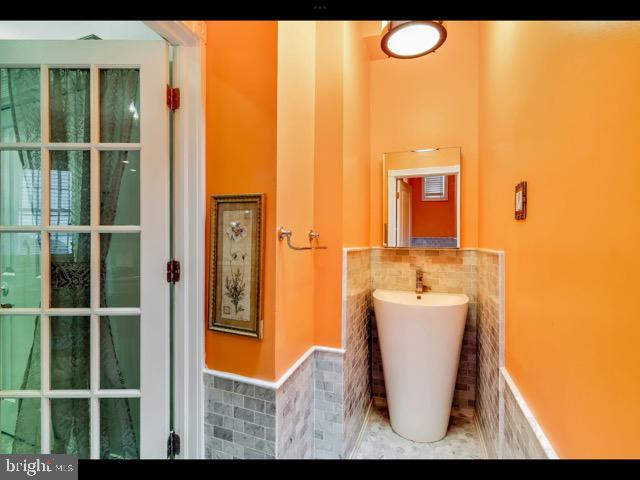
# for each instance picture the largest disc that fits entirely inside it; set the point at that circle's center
(236, 264)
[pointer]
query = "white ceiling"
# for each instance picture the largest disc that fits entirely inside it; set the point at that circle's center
(73, 30)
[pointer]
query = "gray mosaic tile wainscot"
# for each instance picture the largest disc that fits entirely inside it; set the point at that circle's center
(240, 420)
(357, 359)
(505, 429)
(329, 406)
(294, 413)
(488, 340)
(519, 439)
(307, 417)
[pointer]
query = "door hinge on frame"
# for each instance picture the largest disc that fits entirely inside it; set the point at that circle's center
(173, 271)
(173, 444)
(173, 97)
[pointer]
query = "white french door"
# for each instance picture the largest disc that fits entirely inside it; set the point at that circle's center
(84, 240)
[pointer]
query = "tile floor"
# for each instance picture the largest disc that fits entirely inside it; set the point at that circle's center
(378, 440)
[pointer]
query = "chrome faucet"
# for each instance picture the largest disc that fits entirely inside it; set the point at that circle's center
(419, 284)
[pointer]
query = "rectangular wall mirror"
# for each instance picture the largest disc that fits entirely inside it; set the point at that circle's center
(421, 198)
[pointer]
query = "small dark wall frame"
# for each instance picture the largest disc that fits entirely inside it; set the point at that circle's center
(521, 201)
(236, 264)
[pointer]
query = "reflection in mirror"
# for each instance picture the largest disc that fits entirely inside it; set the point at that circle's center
(421, 198)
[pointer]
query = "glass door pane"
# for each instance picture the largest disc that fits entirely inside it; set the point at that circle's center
(119, 269)
(120, 434)
(19, 105)
(70, 188)
(120, 187)
(69, 105)
(70, 358)
(20, 277)
(70, 275)
(20, 187)
(20, 423)
(70, 426)
(120, 342)
(19, 352)
(120, 105)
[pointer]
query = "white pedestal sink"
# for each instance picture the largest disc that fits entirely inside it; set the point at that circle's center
(420, 341)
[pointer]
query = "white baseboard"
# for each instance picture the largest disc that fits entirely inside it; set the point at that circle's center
(283, 378)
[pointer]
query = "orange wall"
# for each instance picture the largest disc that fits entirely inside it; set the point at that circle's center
(328, 195)
(295, 193)
(430, 101)
(433, 219)
(288, 114)
(241, 158)
(554, 103)
(323, 176)
(559, 105)
(342, 165)
(356, 208)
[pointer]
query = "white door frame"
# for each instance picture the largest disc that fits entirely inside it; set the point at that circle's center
(398, 217)
(189, 216)
(394, 175)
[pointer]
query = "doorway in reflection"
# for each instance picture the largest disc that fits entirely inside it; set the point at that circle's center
(427, 211)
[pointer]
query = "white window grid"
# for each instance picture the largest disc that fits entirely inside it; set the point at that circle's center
(434, 188)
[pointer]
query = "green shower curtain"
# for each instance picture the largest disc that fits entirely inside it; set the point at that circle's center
(69, 98)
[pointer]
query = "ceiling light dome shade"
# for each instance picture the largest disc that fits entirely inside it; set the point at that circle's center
(412, 38)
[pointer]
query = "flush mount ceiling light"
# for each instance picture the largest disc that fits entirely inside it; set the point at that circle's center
(412, 38)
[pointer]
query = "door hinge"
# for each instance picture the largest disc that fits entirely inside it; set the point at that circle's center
(173, 97)
(173, 444)
(173, 271)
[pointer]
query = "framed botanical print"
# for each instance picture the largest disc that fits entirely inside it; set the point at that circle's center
(236, 262)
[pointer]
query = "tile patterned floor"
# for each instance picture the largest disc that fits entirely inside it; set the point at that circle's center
(379, 441)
